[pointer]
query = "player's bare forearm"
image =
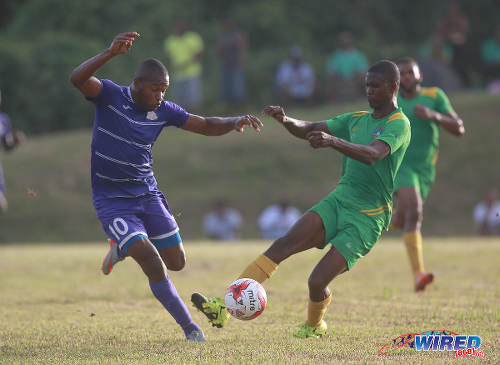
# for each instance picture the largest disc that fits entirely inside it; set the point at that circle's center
(218, 126)
(368, 154)
(83, 78)
(299, 128)
(451, 122)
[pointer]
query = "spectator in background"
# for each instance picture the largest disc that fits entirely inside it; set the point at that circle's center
(223, 222)
(454, 29)
(277, 219)
(9, 139)
(184, 50)
(490, 58)
(346, 69)
(231, 48)
(435, 60)
(487, 214)
(295, 79)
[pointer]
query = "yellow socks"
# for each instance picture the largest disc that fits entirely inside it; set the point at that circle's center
(261, 269)
(413, 242)
(316, 311)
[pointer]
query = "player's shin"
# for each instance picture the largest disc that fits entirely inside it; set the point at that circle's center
(316, 311)
(166, 293)
(260, 270)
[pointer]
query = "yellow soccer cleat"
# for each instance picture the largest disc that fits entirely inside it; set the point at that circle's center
(306, 331)
(213, 308)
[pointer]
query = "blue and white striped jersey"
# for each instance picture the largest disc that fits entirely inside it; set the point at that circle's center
(122, 140)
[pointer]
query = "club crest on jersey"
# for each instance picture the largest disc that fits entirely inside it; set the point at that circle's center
(152, 116)
(377, 132)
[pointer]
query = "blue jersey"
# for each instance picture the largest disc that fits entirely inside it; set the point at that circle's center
(122, 139)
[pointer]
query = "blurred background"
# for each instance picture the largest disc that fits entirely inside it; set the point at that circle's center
(245, 51)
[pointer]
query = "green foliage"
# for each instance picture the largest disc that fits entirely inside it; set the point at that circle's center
(46, 39)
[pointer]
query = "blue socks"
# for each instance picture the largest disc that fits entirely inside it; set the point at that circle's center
(166, 293)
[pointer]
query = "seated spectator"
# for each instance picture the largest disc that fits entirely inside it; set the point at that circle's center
(277, 219)
(487, 215)
(223, 222)
(490, 58)
(295, 79)
(346, 69)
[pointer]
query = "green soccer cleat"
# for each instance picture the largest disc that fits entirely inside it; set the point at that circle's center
(213, 308)
(306, 331)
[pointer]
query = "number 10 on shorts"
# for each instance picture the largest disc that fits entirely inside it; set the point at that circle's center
(119, 228)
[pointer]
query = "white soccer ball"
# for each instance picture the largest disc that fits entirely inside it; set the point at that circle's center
(245, 299)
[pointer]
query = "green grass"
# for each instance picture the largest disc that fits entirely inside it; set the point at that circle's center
(56, 307)
(250, 170)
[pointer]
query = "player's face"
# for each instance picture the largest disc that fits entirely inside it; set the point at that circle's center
(151, 93)
(410, 76)
(378, 90)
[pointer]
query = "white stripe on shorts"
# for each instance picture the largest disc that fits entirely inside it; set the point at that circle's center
(126, 239)
(165, 235)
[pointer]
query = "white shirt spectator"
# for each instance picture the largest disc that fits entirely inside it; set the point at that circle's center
(487, 218)
(297, 79)
(276, 220)
(223, 224)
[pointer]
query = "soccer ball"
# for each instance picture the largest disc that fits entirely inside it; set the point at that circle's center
(245, 299)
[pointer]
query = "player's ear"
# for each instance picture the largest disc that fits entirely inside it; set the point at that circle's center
(138, 84)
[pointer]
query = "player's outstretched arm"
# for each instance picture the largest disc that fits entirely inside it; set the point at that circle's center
(83, 77)
(299, 128)
(450, 121)
(217, 126)
(368, 154)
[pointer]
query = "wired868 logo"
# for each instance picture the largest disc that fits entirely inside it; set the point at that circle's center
(436, 341)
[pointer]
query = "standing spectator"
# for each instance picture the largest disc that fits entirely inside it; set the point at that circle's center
(490, 58)
(487, 214)
(346, 69)
(277, 219)
(295, 79)
(223, 222)
(435, 63)
(454, 27)
(184, 50)
(231, 48)
(9, 139)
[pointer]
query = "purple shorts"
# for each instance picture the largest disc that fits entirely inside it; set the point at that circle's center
(127, 219)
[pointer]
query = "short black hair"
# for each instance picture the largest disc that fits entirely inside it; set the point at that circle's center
(151, 70)
(387, 69)
(406, 61)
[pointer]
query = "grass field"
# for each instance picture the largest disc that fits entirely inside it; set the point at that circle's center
(56, 307)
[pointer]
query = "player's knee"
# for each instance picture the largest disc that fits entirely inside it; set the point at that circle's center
(316, 283)
(177, 264)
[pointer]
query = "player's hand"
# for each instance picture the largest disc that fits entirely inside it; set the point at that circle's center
(423, 112)
(275, 112)
(248, 119)
(122, 43)
(319, 139)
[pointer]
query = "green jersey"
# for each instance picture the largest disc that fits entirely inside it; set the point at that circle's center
(422, 152)
(371, 186)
